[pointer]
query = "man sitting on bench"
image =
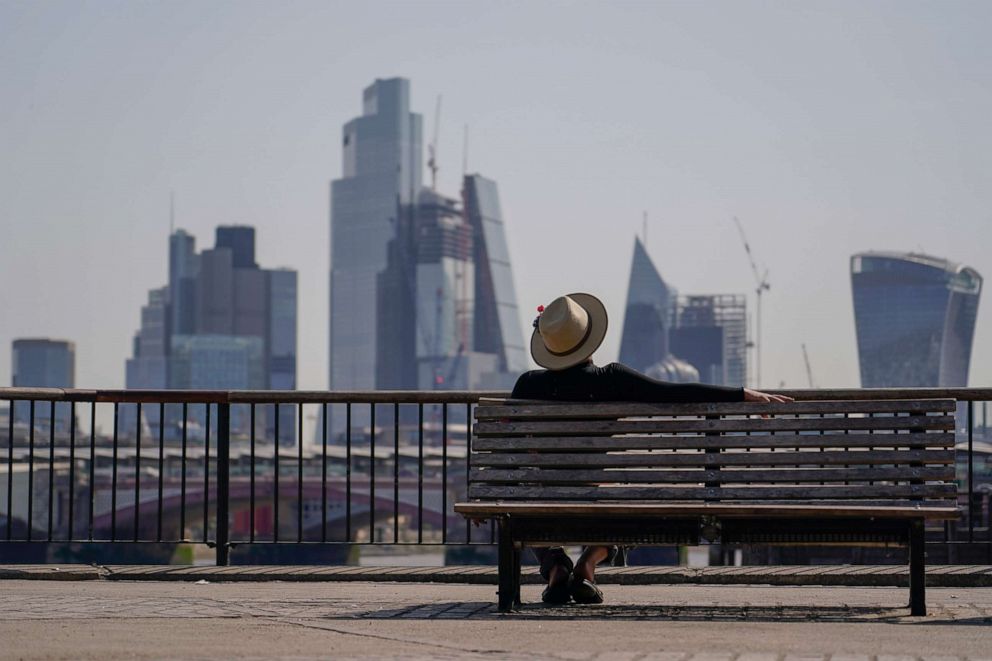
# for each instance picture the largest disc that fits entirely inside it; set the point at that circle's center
(566, 334)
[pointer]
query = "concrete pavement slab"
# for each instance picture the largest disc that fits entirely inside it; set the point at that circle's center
(109, 620)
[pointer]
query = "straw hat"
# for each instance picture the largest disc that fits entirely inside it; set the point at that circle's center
(568, 331)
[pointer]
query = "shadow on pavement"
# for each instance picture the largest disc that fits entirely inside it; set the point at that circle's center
(685, 613)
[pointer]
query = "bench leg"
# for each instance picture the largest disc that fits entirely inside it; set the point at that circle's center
(917, 563)
(516, 578)
(506, 566)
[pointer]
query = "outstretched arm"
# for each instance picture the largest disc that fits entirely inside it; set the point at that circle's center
(631, 385)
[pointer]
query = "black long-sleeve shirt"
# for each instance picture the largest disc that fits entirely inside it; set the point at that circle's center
(614, 383)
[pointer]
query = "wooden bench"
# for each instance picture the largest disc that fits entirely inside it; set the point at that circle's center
(855, 473)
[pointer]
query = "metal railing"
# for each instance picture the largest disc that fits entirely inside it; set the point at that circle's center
(247, 469)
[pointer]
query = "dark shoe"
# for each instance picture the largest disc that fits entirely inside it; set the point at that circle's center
(584, 592)
(557, 593)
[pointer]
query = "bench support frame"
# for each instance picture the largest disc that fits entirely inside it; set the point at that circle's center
(515, 532)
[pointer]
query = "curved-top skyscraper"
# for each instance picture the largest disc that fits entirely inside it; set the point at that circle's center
(915, 319)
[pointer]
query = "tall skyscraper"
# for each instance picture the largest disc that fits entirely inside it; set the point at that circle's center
(497, 316)
(422, 293)
(240, 240)
(648, 315)
(44, 363)
(381, 174)
(221, 323)
(915, 319)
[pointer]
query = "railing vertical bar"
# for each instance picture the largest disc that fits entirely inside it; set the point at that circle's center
(161, 468)
(468, 463)
(299, 472)
(113, 479)
(30, 469)
(347, 471)
(275, 474)
(323, 473)
(72, 468)
(10, 470)
(206, 476)
(372, 473)
(223, 483)
(137, 471)
(92, 469)
(51, 468)
(420, 473)
(251, 477)
(971, 471)
(396, 472)
(444, 473)
(182, 478)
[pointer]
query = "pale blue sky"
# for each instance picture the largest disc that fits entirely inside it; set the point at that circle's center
(827, 127)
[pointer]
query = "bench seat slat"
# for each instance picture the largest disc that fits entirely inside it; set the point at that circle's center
(585, 411)
(617, 443)
(716, 493)
(557, 476)
(601, 427)
(770, 508)
(854, 457)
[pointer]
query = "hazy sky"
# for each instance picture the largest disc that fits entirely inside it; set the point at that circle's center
(827, 127)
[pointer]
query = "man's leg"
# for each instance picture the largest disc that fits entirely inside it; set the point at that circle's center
(556, 567)
(591, 556)
(583, 587)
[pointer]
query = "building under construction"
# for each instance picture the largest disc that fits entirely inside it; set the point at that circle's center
(711, 333)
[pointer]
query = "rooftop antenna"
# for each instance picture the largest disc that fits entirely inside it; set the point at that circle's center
(432, 147)
(465, 151)
(761, 286)
(172, 212)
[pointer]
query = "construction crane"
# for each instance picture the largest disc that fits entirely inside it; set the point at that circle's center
(432, 147)
(761, 286)
(809, 370)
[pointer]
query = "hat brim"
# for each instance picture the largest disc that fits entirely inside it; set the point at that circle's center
(598, 322)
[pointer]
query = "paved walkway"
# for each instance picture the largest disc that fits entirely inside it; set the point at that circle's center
(850, 575)
(137, 619)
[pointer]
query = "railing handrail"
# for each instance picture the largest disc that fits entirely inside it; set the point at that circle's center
(251, 396)
(423, 396)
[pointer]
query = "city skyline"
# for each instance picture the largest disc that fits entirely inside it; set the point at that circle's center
(220, 323)
(877, 145)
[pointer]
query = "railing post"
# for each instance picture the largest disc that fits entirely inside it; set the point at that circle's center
(223, 482)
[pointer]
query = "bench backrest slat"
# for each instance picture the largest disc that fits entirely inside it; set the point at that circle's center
(846, 451)
(657, 426)
(618, 492)
(511, 409)
(724, 441)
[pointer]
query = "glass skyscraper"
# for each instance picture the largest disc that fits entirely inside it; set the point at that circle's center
(648, 314)
(381, 174)
(497, 317)
(915, 319)
(44, 363)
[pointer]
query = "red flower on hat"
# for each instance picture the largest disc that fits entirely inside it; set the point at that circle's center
(540, 309)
